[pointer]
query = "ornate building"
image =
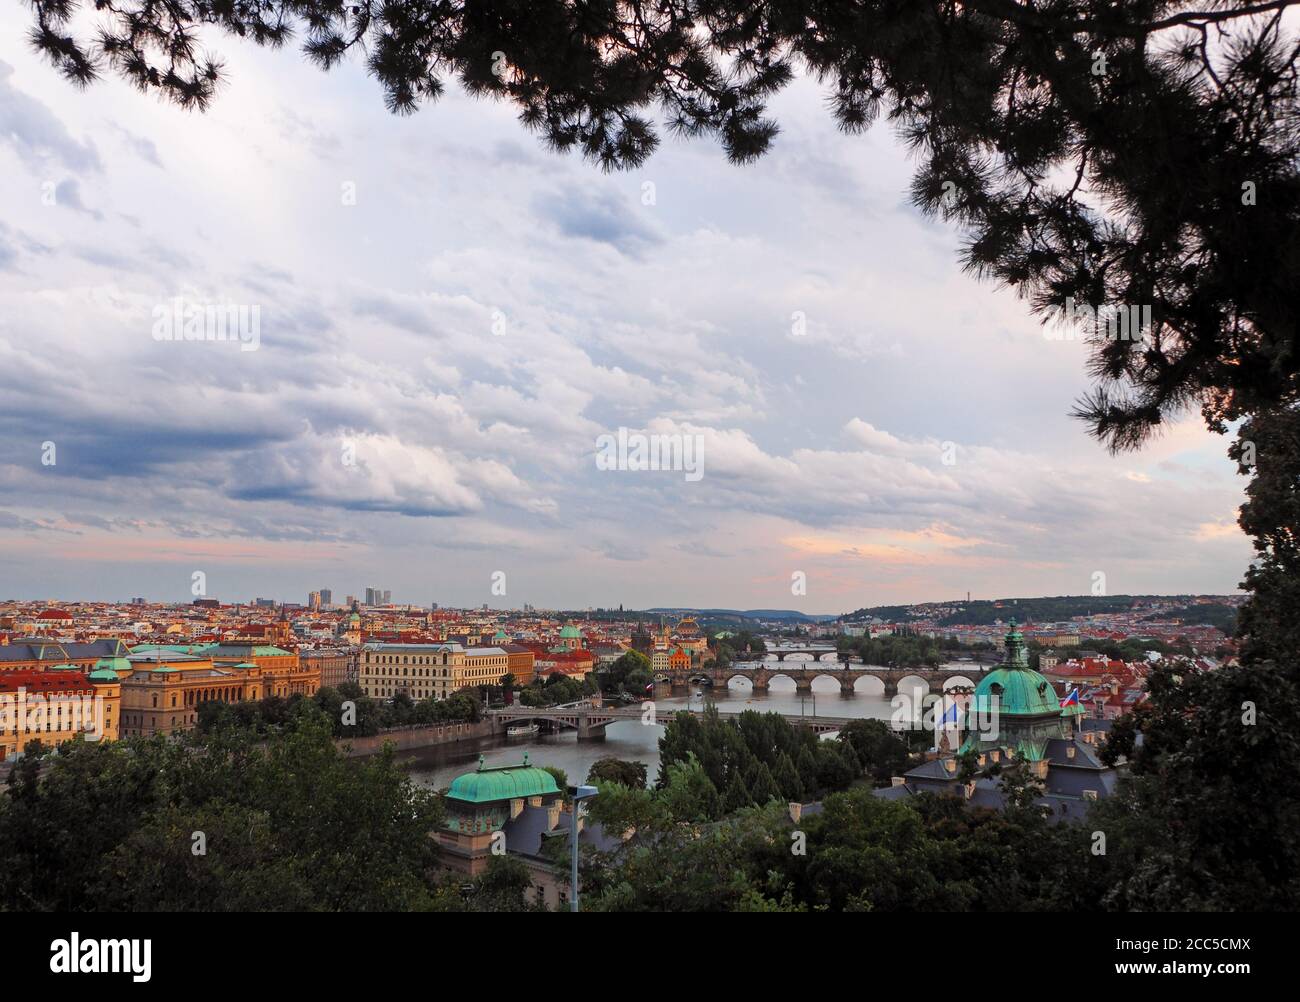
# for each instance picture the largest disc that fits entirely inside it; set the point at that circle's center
(1023, 705)
(514, 809)
(1015, 715)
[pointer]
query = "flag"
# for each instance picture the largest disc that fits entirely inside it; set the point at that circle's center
(950, 715)
(1072, 699)
(649, 686)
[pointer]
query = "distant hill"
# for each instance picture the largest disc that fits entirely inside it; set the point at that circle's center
(744, 614)
(1060, 608)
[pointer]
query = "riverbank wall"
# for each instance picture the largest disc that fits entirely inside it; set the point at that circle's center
(418, 736)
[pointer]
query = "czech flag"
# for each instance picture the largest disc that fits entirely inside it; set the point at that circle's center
(950, 715)
(1072, 699)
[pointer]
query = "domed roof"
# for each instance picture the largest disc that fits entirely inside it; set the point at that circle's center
(570, 633)
(1019, 690)
(508, 783)
(103, 675)
(500, 635)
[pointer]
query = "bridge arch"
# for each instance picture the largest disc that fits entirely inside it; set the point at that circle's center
(870, 684)
(911, 682)
(958, 680)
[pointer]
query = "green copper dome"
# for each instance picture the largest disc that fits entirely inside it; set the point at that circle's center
(1021, 706)
(570, 633)
(509, 783)
(1019, 690)
(103, 675)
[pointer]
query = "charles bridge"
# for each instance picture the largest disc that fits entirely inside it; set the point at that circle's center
(818, 662)
(815, 662)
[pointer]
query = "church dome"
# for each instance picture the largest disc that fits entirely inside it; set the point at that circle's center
(1019, 690)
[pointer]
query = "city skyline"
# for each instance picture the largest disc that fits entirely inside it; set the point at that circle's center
(469, 314)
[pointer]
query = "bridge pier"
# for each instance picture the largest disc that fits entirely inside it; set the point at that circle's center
(588, 733)
(846, 687)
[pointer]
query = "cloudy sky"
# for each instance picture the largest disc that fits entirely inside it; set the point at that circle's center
(450, 318)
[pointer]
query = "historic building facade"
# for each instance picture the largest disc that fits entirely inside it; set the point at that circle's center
(428, 671)
(56, 704)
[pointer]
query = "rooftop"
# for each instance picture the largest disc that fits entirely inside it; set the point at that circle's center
(511, 782)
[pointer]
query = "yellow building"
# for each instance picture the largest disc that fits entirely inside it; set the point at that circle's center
(163, 692)
(283, 673)
(61, 703)
(163, 685)
(428, 671)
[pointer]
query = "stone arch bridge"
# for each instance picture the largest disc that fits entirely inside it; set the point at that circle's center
(760, 674)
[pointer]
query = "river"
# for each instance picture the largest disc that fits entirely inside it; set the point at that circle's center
(634, 741)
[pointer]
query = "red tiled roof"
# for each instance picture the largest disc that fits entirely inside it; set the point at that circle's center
(43, 681)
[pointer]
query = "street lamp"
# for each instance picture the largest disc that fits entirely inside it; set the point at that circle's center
(580, 794)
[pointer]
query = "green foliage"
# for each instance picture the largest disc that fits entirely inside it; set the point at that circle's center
(689, 794)
(905, 650)
(860, 854)
(878, 750)
(613, 770)
(740, 646)
(370, 716)
(1268, 446)
(287, 823)
(758, 757)
(505, 886)
(556, 690)
(630, 673)
(1206, 821)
